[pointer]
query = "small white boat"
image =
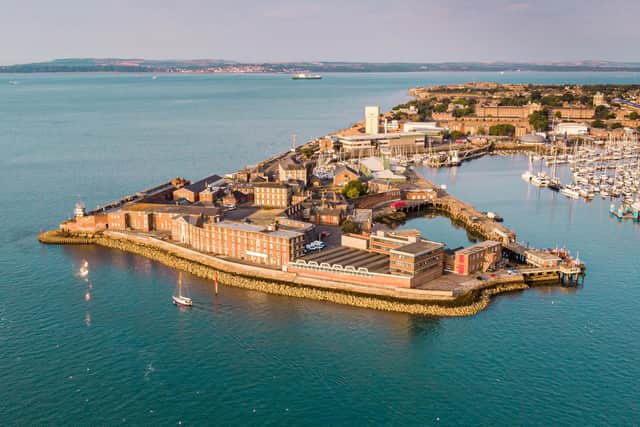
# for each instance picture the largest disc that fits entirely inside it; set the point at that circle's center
(179, 299)
(569, 192)
(540, 180)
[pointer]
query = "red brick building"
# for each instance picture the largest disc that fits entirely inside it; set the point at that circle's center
(191, 192)
(343, 174)
(482, 256)
(238, 240)
(272, 195)
(155, 217)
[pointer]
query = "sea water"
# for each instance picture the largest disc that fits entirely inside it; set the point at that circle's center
(108, 347)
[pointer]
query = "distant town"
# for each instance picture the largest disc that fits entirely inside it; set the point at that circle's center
(324, 215)
(139, 65)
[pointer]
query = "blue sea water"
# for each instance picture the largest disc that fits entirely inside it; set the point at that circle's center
(111, 349)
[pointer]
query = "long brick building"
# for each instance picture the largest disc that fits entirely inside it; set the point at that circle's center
(238, 240)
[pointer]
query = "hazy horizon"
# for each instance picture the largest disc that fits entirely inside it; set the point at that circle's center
(251, 31)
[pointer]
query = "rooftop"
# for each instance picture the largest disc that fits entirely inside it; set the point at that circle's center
(377, 136)
(478, 246)
(270, 185)
(198, 186)
(252, 228)
(375, 263)
(546, 256)
(418, 248)
(175, 209)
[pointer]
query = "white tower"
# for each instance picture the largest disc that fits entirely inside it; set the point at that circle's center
(79, 211)
(371, 115)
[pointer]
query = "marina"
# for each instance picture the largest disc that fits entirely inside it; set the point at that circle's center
(610, 171)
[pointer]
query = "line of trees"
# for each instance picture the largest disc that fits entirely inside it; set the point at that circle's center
(502, 129)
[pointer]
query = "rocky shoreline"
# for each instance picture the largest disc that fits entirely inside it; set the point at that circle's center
(466, 305)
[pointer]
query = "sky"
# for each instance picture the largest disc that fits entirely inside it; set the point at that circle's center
(328, 30)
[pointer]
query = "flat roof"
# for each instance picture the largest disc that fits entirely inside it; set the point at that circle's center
(252, 228)
(418, 248)
(543, 255)
(478, 246)
(270, 185)
(174, 209)
(376, 136)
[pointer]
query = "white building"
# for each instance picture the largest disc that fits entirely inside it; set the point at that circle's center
(419, 126)
(571, 129)
(371, 119)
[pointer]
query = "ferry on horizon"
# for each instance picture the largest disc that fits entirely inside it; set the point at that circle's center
(305, 76)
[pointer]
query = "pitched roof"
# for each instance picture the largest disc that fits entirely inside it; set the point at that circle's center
(345, 169)
(198, 186)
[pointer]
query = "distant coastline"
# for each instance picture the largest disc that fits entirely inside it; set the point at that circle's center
(200, 66)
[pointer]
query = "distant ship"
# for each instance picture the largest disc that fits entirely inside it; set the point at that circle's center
(305, 76)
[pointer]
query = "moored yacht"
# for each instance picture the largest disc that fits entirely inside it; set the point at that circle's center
(570, 192)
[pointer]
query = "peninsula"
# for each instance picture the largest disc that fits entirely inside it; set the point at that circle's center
(319, 220)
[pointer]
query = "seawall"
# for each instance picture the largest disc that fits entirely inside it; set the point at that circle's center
(276, 282)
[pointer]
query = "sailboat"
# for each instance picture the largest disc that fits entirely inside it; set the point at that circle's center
(554, 181)
(179, 299)
(527, 175)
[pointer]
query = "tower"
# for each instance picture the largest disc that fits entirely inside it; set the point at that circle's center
(371, 115)
(79, 210)
(598, 99)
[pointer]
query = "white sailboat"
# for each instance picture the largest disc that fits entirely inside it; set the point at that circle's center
(180, 299)
(528, 174)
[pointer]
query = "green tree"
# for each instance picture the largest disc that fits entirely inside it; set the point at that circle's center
(456, 134)
(586, 100)
(354, 189)
(440, 108)
(568, 97)
(515, 101)
(616, 125)
(602, 112)
(558, 114)
(535, 96)
(502, 130)
(598, 124)
(551, 101)
(633, 115)
(463, 112)
(539, 120)
(349, 226)
(307, 152)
